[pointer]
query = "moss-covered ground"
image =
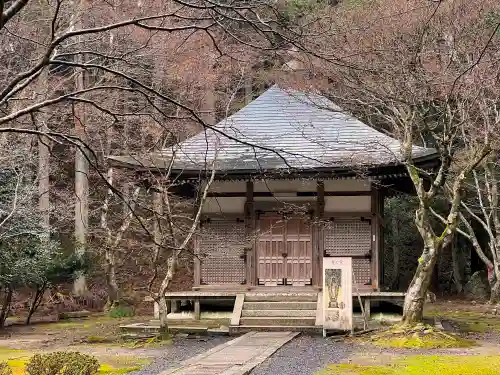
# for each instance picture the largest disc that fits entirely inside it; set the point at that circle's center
(418, 337)
(110, 365)
(469, 318)
(423, 364)
(97, 335)
(473, 349)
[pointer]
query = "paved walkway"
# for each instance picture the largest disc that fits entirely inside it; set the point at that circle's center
(236, 357)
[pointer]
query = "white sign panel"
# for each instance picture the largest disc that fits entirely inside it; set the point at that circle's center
(337, 293)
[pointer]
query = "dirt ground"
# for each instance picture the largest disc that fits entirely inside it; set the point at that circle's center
(97, 335)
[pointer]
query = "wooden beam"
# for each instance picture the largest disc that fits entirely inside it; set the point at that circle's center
(236, 194)
(238, 307)
(250, 233)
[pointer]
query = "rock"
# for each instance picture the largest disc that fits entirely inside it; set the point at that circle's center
(478, 286)
(74, 314)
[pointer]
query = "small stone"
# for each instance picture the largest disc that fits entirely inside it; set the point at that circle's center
(473, 302)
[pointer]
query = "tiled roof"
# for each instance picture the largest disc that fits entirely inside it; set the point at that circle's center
(284, 130)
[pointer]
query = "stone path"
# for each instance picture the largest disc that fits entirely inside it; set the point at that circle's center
(236, 357)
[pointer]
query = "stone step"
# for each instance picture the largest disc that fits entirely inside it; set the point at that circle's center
(278, 313)
(281, 297)
(277, 321)
(235, 330)
(279, 305)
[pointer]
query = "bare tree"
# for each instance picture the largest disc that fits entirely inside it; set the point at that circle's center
(482, 207)
(415, 73)
(127, 75)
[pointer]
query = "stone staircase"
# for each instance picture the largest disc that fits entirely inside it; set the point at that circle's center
(278, 312)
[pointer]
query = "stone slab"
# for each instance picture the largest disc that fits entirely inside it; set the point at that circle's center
(236, 357)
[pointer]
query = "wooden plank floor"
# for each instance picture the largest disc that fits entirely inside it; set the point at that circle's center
(236, 357)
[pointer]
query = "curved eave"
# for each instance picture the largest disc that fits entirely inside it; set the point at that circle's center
(428, 161)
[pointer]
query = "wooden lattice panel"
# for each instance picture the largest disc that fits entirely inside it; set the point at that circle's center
(347, 237)
(222, 249)
(361, 268)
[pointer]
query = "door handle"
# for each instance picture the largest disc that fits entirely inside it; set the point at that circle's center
(284, 255)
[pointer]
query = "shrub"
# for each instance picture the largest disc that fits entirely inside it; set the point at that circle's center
(62, 363)
(5, 369)
(121, 311)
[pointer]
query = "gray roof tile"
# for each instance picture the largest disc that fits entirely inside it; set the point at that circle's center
(282, 130)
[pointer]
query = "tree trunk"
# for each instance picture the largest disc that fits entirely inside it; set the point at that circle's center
(457, 266)
(5, 306)
(162, 304)
(81, 206)
(43, 179)
(81, 174)
(413, 310)
(36, 302)
(112, 285)
(495, 292)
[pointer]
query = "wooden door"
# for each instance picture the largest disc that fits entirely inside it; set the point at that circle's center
(298, 258)
(284, 251)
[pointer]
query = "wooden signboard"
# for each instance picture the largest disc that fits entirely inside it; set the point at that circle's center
(337, 294)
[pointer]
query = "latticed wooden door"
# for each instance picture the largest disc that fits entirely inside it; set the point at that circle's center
(284, 251)
(351, 237)
(222, 252)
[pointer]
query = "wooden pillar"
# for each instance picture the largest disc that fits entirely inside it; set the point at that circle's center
(197, 309)
(381, 247)
(317, 234)
(175, 305)
(196, 249)
(376, 222)
(250, 234)
(367, 308)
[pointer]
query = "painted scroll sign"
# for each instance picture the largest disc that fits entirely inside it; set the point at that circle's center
(337, 294)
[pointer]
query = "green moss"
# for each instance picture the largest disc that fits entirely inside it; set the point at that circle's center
(428, 365)
(100, 339)
(106, 369)
(425, 341)
(418, 337)
(344, 369)
(469, 321)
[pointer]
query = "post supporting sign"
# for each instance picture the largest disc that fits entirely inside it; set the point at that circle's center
(337, 294)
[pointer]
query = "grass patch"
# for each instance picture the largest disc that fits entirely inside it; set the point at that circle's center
(100, 339)
(467, 321)
(428, 365)
(106, 369)
(121, 365)
(418, 337)
(152, 342)
(121, 312)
